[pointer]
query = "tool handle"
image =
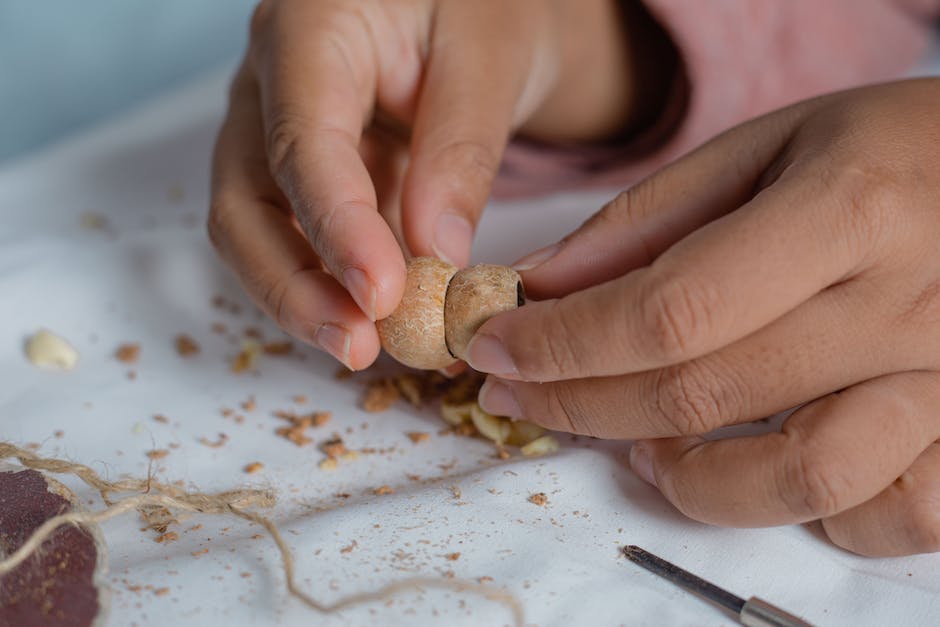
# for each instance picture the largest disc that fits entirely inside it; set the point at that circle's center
(759, 613)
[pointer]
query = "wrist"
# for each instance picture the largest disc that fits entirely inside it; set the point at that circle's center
(617, 70)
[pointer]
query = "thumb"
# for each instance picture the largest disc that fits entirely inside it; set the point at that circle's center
(634, 228)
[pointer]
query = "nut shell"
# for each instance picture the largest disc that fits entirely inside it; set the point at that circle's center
(474, 296)
(414, 333)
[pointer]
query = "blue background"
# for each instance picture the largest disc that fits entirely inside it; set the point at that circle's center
(67, 63)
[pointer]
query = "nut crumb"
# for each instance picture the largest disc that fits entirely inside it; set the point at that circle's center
(249, 404)
(186, 346)
(538, 498)
(127, 353)
(349, 548)
(161, 418)
(278, 348)
(217, 444)
(161, 592)
(381, 490)
(329, 463)
(169, 536)
(380, 395)
(334, 448)
(158, 453)
(418, 436)
(253, 467)
(453, 557)
(200, 552)
(484, 579)
(246, 358)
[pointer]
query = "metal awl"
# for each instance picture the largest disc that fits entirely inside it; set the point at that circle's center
(753, 612)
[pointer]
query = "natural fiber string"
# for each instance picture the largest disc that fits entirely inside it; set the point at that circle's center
(221, 503)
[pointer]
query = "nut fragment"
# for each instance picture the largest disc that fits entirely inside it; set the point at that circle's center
(456, 413)
(490, 426)
(127, 353)
(47, 350)
(185, 345)
(540, 446)
(414, 333)
(474, 296)
(522, 432)
(539, 498)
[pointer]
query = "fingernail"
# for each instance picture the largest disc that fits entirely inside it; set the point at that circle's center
(453, 235)
(361, 289)
(642, 464)
(537, 258)
(487, 354)
(336, 341)
(498, 399)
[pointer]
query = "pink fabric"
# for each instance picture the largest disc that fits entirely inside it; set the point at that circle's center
(741, 58)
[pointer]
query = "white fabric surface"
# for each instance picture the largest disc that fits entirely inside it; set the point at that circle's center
(152, 276)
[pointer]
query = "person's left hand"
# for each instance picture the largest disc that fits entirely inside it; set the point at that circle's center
(793, 260)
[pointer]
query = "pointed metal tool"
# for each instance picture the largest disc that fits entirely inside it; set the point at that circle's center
(753, 612)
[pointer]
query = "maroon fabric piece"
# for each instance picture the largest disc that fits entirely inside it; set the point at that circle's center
(54, 587)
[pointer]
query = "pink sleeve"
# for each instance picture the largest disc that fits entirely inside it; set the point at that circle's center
(741, 58)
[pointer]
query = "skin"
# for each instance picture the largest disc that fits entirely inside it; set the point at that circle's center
(790, 262)
(360, 131)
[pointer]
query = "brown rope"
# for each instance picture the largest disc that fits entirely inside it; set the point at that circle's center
(155, 494)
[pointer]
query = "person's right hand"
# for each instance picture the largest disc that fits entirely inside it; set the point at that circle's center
(360, 128)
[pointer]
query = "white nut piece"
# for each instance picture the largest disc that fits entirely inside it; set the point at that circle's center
(474, 296)
(540, 446)
(522, 432)
(490, 426)
(456, 413)
(414, 333)
(47, 350)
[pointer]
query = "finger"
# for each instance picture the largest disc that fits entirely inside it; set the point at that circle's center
(316, 64)
(719, 284)
(642, 222)
(480, 63)
(903, 519)
(802, 356)
(830, 456)
(385, 155)
(256, 236)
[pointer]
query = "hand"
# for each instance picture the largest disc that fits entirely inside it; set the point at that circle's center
(357, 127)
(792, 261)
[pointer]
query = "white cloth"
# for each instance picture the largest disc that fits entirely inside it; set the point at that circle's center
(151, 275)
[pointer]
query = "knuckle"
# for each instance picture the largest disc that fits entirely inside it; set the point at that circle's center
(812, 484)
(685, 397)
(923, 308)
(560, 355)
(218, 223)
(868, 191)
(282, 136)
(924, 525)
(567, 408)
(676, 317)
(474, 160)
(274, 296)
